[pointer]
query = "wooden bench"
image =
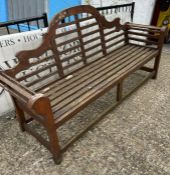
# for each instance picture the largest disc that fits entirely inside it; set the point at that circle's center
(72, 68)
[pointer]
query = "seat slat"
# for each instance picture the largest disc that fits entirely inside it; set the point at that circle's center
(89, 83)
(82, 72)
(96, 80)
(88, 75)
(75, 106)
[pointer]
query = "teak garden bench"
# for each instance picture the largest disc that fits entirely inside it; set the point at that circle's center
(72, 68)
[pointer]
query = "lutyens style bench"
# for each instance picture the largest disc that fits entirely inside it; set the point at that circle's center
(78, 61)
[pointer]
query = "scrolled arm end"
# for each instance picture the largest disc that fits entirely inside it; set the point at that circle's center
(40, 104)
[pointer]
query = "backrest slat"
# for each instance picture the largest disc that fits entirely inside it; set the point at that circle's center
(92, 40)
(68, 41)
(79, 30)
(65, 33)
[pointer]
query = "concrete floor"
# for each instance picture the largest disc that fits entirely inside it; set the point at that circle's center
(134, 139)
(166, 48)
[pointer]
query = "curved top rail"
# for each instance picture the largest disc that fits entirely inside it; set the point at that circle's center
(82, 9)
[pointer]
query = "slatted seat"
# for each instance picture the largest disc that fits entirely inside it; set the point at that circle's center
(67, 95)
(77, 62)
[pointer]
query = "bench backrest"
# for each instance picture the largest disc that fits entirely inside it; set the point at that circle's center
(84, 37)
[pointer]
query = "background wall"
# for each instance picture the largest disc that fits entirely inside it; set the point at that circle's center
(18, 9)
(3, 10)
(57, 6)
(143, 9)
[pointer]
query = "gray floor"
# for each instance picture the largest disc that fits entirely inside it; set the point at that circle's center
(134, 139)
(166, 48)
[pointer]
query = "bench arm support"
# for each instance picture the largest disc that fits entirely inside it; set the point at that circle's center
(147, 27)
(41, 105)
(37, 103)
(17, 90)
(153, 35)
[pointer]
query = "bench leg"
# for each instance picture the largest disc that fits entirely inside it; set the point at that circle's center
(119, 91)
(156, 66)
(54, 145)
(20, 115)
(42, 106)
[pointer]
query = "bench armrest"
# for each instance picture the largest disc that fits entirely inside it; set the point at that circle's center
(146, 27)
(20, 92)
(29, 99)
(41, 105)
(153, 35)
